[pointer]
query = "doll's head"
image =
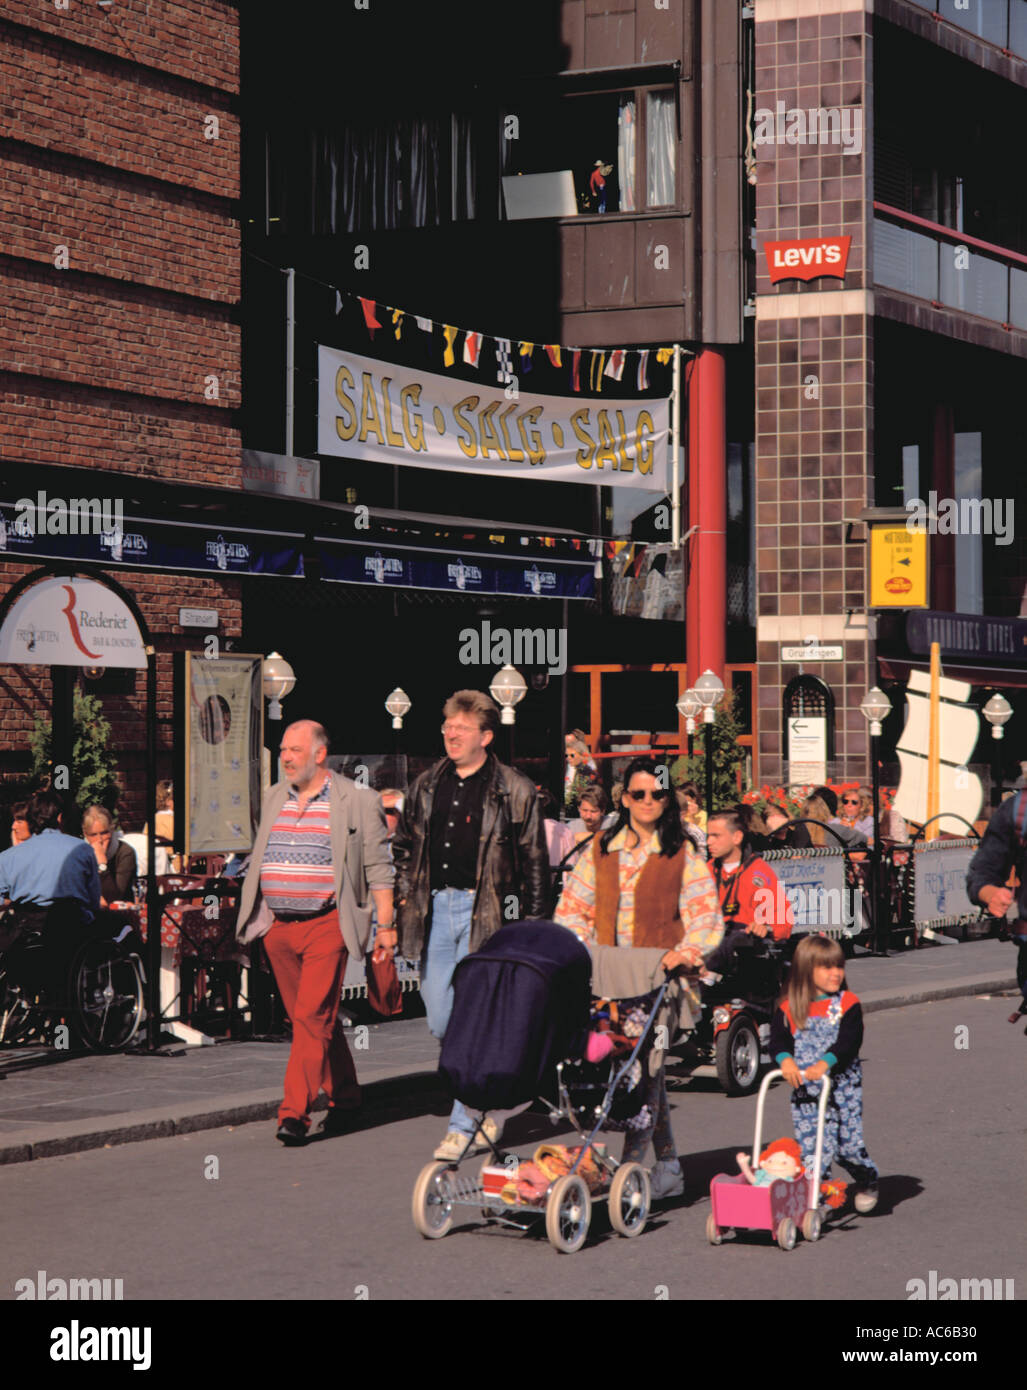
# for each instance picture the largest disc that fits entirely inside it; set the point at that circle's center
(782, 1159)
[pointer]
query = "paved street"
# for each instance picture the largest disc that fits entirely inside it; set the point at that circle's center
(945, 1124)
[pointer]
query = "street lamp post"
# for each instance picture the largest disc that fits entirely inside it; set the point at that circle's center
(874, 708)
(688, 707)
(279, 681)
(508, 690)
(398, 705)
(997, 712)
(709, 690)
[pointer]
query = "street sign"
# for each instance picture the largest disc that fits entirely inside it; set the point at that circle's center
(807, 748)
(812, 653)
(198, 617)
(898, 567)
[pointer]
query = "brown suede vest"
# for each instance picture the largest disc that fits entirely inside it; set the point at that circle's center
(657, 895)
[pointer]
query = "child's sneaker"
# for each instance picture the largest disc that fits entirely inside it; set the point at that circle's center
(866, 1198)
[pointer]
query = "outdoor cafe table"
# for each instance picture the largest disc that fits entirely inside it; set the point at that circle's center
(186, 929)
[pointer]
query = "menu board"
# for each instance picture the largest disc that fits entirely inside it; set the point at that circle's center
(224, 740)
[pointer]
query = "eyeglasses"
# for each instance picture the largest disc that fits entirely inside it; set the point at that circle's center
(850, 800)
(658, 794)
(453, 730)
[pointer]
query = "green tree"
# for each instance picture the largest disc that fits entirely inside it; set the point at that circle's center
(93, 763)
(728, 757)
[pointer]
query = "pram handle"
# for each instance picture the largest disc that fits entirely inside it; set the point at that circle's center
(814, 1177)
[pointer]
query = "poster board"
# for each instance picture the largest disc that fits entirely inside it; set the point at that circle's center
(221, 731)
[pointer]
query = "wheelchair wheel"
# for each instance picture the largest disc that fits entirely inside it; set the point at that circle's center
(17, 1009)
(105, 991)
(738, 1056)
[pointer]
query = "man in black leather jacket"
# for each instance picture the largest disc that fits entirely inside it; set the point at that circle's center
(470, 854)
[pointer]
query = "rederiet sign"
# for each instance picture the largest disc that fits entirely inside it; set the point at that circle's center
(71, 621)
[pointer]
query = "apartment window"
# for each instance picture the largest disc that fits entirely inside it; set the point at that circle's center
(969, 546)
(378, 175)
(619, 147)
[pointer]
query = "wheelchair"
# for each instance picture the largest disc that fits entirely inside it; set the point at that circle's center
(55, 972)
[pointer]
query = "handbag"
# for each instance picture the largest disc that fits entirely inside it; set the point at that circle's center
(383, 991)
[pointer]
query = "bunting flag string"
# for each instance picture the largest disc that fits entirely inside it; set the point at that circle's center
(602, 362)
(368, 307)
(472, 347)
(449, 334)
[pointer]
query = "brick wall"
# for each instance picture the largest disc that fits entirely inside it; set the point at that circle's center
(106, 151)
(814, 378)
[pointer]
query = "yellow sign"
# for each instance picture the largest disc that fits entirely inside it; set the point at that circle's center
(898, 567)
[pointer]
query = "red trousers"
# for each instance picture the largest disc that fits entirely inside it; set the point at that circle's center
(309, 961)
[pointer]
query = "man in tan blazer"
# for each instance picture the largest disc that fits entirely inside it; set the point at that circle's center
(321, 849)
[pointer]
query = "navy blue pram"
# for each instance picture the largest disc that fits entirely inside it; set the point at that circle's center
(520, 1006)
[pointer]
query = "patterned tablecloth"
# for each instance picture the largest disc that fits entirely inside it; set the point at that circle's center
(187, 929)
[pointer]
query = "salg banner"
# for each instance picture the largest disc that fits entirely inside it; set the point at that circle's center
(388, 413)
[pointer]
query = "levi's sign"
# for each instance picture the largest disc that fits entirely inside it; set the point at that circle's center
(808, 259)
(383, 412)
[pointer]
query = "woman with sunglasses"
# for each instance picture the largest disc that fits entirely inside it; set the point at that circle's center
(855, 810)
(644, 884)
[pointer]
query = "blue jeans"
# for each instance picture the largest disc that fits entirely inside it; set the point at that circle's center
(449, 940)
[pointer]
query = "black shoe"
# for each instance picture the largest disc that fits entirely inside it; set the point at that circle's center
(337, 1120)
(292, 1133)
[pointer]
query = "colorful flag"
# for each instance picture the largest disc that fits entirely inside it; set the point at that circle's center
(575, 369)
(449, 334)
(425, 325)
(338, 303)
(663, 355)
(472, 347)
(595, 376)
(643, 370)
(525, 350)
(369, 316)
(504, 361)
(615, 366)
(553, 353)
(397, 319)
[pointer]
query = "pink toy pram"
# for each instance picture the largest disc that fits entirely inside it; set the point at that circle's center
(781, 1207)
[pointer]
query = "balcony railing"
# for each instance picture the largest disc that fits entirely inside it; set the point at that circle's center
(949, 268)
(1001, 22)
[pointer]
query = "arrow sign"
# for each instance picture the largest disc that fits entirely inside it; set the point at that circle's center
(907, 561)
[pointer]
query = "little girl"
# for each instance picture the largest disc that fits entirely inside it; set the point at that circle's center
(818, 1027)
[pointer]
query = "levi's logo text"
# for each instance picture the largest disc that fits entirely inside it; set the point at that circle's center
(807, 259)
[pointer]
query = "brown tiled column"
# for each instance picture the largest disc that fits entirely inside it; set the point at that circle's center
(814, 372)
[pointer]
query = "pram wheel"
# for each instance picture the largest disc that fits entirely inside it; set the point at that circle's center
(629, 1199)
(432, 1204)
(811, 1226)
(786, 1233)
(713, 1232)
(568, 1212)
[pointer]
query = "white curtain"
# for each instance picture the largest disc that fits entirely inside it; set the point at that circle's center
(626, 154)
(661, 149)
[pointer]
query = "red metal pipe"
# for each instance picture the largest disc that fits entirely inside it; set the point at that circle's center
(706, 608)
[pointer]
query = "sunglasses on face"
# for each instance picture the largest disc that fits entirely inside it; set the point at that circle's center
(659, 794)
(850, 800)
